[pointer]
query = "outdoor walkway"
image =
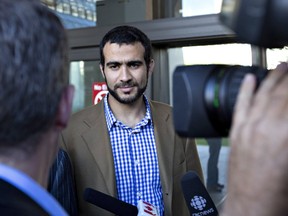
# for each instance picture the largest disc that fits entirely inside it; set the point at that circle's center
(203, 151)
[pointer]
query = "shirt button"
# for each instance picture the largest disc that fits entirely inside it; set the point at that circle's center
(139, 195)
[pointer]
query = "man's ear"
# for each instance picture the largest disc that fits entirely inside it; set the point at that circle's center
(102, 70)
(151, 67)
(65, 107)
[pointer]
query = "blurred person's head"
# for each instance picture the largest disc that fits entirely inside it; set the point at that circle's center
(35, 95)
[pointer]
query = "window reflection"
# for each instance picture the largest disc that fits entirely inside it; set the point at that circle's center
(74, 13)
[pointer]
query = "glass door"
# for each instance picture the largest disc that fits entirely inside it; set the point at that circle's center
(83, 75)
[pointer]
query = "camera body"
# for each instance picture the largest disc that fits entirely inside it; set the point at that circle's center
(259, 22)
(204, 96)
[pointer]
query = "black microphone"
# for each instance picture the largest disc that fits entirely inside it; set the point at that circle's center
(109, 203)
(197, 198)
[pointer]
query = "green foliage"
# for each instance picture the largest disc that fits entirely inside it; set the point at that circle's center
(225, 142)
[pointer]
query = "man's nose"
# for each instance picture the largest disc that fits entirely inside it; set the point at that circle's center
(125, 74)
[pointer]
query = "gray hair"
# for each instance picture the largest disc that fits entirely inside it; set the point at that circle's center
(33, 69)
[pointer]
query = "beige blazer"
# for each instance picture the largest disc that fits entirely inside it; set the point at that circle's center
(87, 142)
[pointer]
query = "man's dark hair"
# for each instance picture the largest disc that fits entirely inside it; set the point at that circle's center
(33, 69)
(126, 35)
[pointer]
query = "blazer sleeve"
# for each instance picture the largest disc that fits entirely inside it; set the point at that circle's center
(61, 183)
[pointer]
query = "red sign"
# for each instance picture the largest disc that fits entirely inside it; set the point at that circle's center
(99, 91)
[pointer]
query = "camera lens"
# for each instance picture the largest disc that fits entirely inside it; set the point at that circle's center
(221, 92)
(204, 97)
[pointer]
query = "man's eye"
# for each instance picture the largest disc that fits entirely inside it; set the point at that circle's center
(135, 66)
(114, 67)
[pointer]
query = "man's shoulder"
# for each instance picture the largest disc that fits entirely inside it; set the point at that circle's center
(88, 113)
(16, 202)
(86, 118)
(160, 106)
(160, 111)
(84, 112)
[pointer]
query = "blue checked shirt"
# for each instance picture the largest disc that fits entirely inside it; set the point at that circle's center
(135, 159)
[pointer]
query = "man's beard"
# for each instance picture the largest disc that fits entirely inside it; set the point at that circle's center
(131, 99)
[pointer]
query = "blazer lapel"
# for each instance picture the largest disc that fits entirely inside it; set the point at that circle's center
(98, 142)
(165, 150)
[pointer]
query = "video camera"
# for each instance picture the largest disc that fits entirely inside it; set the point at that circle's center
(204, 95)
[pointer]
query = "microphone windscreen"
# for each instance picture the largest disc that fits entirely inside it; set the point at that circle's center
(197, 198)
(109, 203)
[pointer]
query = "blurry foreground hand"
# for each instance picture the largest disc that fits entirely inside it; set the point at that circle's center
(258, 167)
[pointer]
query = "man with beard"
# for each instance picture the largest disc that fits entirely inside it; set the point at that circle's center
(126, 146)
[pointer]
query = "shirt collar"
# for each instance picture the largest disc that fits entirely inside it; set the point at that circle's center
(30, 187)
(111, 119)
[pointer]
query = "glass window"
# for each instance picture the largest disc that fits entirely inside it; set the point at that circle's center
(218, 54)
(275, 56)
(83, 75)
(200, 7)
(88, 13)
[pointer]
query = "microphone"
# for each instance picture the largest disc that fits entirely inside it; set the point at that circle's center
(197, 198)
(109, 203)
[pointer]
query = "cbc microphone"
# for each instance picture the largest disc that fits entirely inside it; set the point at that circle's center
(109, 203)
(197, 198)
